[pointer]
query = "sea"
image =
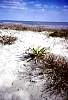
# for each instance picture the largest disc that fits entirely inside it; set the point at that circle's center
(63, 25)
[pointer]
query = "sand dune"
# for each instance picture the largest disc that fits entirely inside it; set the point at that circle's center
(14, 74)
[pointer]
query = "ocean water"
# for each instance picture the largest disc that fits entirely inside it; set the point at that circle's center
(38, 23)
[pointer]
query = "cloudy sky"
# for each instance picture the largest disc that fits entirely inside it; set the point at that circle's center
(34, 10)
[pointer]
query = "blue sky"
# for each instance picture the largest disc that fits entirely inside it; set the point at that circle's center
(34, 10)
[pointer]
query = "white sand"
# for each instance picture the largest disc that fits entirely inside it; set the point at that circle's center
(14, 78)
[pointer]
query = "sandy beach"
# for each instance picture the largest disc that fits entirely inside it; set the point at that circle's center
(33, 49)
(15, 75)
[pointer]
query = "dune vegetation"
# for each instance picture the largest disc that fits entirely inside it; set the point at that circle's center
(59, 33)
(39, 61)
(7, 40)
(55, 69)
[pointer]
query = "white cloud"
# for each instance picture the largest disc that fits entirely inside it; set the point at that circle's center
(20, 8)
(38, 5)
(43, 9)
(65, 6)
(13, 5)
(3, 6)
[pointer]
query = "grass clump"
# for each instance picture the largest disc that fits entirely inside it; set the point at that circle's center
(39, 52)
(7, 40)
(59, 33)
(36, 54)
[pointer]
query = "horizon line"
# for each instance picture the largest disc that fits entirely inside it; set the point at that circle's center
(33, 21)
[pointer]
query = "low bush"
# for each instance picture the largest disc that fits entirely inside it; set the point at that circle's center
(59, 33)
(55, 68)
(37, 53)
(7, 40)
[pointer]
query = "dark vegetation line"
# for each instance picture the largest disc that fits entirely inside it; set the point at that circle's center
(23, 27)
(54, 32)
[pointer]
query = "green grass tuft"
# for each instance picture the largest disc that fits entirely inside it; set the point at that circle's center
(39, 52)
